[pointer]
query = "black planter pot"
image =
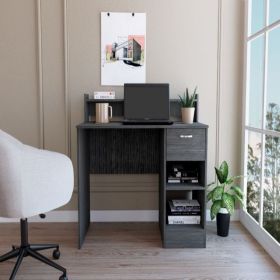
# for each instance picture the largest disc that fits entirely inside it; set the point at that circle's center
(223, 224)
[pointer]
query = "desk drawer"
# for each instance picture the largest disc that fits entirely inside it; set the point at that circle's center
(186, 144)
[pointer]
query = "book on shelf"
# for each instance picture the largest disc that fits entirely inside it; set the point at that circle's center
(184, 213)
(183, 205)
(174, 181)
(103, 95)
(185, 202)
(193, 180)
(183, 220)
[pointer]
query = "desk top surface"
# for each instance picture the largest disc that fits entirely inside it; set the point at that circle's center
(120, 125)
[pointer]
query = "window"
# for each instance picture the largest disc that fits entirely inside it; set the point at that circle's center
(262, 118)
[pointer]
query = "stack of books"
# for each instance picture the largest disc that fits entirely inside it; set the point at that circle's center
(174, 180)
(179, 180)
(183, 212)
(103, 95)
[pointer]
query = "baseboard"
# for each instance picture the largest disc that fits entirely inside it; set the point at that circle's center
(104, 216)
(124, 216)
(51, 217)
(266, 241)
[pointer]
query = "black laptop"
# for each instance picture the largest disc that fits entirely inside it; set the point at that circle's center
(146, 104)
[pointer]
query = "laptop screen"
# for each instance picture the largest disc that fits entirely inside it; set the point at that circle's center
(146, 101)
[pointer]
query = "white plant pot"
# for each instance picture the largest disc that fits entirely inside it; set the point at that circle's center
(187, 115)
(223, 210)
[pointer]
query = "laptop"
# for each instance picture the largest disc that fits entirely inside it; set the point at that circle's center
(146, 104)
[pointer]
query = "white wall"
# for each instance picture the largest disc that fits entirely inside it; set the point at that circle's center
(186, 46)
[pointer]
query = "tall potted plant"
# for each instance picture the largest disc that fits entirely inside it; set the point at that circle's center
(224, 196)
(187, 103)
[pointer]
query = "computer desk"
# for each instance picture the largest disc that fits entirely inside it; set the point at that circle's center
(115, 148)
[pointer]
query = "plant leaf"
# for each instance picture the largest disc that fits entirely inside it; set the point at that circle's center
(224, 170)
(238, 198)
(216, 206)
(182, 101)
(237, 190)
(232, 179)
(228, 202)
(187, 99)
(210, 184)
(209, 195)
(219, 175)
(217, 193)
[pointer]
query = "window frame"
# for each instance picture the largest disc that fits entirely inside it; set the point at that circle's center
(256, 227)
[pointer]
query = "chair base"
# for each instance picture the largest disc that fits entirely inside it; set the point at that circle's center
(31, 250)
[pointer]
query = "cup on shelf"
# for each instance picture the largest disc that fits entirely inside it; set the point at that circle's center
(104, 112)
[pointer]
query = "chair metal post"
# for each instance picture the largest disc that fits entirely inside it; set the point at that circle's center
(24, 232)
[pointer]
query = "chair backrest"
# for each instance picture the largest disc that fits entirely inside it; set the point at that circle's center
(10, 173)
(32, 181)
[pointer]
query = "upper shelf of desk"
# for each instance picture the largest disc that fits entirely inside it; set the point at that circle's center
(118, 109)
(119, 125)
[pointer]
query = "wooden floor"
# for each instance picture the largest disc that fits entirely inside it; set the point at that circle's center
(130, 251)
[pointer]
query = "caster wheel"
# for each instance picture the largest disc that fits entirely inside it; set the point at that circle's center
(56, 256)
(63, 277)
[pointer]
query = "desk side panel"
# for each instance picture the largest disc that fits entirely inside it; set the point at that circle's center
(162, 183)
(83, 185)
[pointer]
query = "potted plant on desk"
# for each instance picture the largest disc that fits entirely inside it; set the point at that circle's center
(224, 197)
(187, 103)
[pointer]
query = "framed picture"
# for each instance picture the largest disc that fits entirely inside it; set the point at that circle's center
(123, 48)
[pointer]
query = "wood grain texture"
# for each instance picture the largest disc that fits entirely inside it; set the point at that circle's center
(132, 251)
(180, 148)
(124, 151)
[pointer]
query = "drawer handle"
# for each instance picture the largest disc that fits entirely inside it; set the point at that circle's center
(186, 136)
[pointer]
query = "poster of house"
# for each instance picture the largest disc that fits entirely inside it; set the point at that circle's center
(123, 48)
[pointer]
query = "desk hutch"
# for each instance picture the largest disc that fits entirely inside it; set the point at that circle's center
(115, 148)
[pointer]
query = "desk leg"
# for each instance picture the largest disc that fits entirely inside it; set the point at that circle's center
(162, 180)
(83, 185)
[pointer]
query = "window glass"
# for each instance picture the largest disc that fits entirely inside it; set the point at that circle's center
(255, 81)
(253, 174)
(262, 121)
(274, 11)
(271, 195)
(273, 81)
(256, 19)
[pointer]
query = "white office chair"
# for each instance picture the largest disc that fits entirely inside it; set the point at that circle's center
(32, 182)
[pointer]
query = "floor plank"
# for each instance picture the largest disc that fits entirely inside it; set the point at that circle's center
(132, 251)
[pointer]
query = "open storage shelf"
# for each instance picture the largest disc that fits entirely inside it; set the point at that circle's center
(183, 164)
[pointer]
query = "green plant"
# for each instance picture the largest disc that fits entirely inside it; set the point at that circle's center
(187, 100)
(225, 193)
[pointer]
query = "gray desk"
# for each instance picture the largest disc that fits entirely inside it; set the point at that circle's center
(117, 148)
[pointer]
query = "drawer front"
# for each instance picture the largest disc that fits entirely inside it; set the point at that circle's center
(186, 144)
